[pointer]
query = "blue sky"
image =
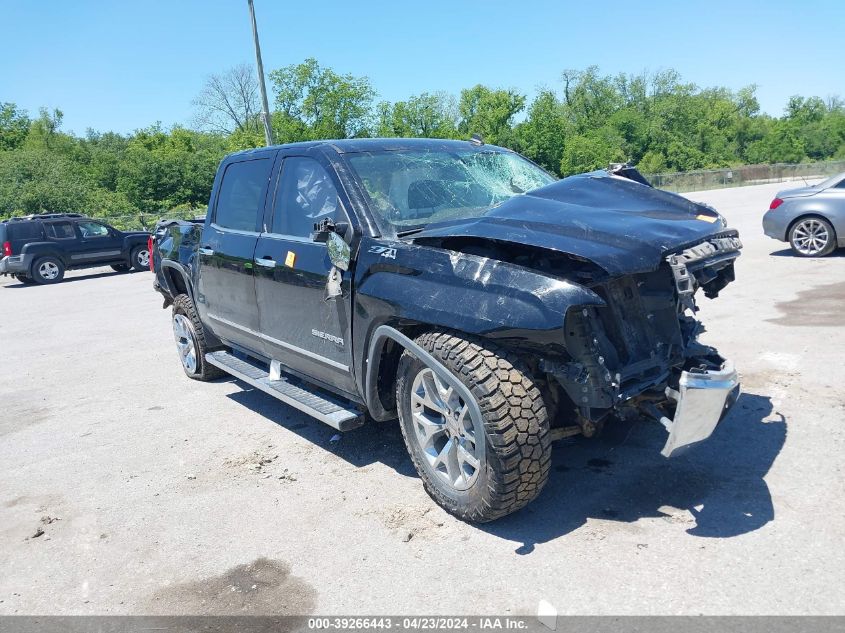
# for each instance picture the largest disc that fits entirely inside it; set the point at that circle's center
(125, 64)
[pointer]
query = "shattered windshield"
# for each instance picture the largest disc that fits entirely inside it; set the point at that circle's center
(409, 189)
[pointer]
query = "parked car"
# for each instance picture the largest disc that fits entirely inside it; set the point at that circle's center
(459, 288)
(40, 248)
(811, 218)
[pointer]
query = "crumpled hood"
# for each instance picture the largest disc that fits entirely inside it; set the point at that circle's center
(623, 226)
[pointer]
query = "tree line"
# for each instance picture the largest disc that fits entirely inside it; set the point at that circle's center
(654, 120)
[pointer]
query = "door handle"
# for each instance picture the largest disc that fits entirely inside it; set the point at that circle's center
(206, 251)
(265, 261)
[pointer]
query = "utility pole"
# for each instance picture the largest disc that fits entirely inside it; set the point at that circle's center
(265, 109)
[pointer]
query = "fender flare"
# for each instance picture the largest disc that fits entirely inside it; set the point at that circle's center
(44, 249)
(168, 269)
(386, 332)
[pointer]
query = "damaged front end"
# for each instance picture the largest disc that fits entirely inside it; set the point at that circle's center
(640, 354)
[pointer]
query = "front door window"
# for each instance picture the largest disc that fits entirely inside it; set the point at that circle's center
(93, 230)
(305, 196)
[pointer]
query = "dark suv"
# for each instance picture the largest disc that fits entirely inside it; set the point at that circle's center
(39, 248)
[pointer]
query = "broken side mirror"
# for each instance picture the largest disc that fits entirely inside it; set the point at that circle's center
(339, 253)
(326, 227)
(330, 233)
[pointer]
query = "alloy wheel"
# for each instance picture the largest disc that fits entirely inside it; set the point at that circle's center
(48, 271)
(183, 332)
(448, 436)
(810, 237)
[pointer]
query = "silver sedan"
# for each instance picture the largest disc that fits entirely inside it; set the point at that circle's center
(811, 219)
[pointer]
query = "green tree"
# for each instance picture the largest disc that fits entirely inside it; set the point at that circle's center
(593, 150)
(328, 105)
(489, 113)
(161, 170)
(14, 126)
(782, 144)
(590, 99)
(38, 180)
(425, 115)
(543, 134)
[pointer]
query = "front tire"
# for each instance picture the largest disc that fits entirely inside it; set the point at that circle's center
(47, 270)
(140, 258)
(812, 237)
(476, 469)
(190, 340)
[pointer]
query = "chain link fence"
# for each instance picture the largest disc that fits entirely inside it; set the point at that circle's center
(744, 175)
(147, 221)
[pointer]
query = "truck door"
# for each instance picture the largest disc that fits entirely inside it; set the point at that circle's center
(226, 284)
(302, 328)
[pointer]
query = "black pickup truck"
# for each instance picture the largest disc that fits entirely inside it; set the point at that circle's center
(460, 288)
(40, 248)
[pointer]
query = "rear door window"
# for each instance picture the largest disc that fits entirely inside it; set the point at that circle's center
(242, 193)
(24, 230)
(59, 230)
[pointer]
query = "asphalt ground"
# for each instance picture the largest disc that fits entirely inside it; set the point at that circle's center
(126, 488)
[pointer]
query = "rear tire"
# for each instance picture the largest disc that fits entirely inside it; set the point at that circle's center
(47, 270)
(190, 341)
(812, 237)
(494, 466)
(140, 258)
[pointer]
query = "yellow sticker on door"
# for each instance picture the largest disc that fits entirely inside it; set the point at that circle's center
(290, 259)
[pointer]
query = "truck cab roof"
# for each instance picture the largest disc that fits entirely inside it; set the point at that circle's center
(358, 145)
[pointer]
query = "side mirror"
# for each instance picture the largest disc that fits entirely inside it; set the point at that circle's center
(330, 233)
(324, 228)
(339, 253)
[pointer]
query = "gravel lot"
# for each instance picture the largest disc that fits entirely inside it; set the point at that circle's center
(159, 495)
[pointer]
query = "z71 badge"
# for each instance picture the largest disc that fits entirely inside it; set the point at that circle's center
(384, 251)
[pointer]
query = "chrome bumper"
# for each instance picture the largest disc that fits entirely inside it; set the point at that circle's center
(14, 264)
(703, 400)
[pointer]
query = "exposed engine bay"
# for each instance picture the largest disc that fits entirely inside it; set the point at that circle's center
(629, 357)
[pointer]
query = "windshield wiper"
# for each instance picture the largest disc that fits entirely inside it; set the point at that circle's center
(409, 231)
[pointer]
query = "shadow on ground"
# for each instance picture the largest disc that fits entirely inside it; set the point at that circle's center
(622, 477)
(17, 284)
(619, 476)
(371, 443)
(787, 252)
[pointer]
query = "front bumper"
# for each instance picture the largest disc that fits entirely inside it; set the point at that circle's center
(703, 398)
(15, 264)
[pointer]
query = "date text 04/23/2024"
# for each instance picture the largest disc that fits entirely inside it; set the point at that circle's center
(425, 623)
